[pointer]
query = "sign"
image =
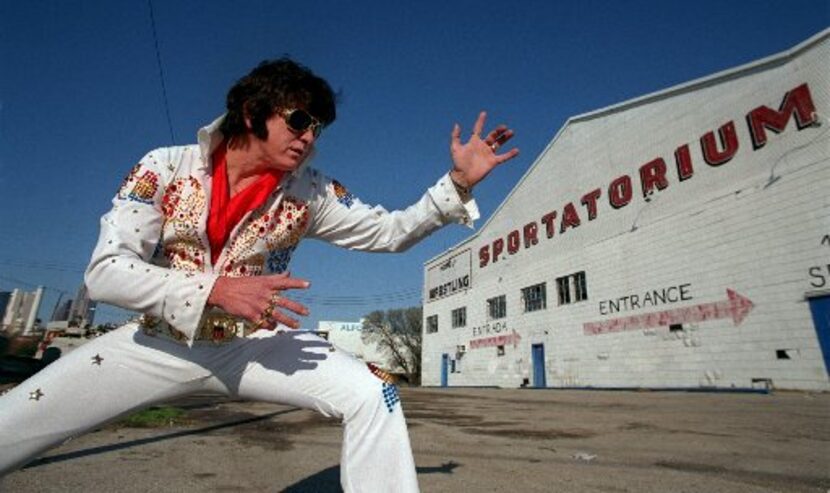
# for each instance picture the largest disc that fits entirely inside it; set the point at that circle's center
(735, 307)
(449, 277)
(512, 338)
(718, 146)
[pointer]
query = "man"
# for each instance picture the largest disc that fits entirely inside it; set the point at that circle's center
(199, 239)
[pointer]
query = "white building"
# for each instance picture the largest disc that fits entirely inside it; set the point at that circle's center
(20, 316)
(680, 239)
(348, 336)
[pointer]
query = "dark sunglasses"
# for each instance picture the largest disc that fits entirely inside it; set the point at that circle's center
(299, 121)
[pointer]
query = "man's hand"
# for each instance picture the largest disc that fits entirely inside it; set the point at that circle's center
(472, 161)
(259, 299)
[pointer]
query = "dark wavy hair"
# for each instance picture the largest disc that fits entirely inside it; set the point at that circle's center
(272, 85)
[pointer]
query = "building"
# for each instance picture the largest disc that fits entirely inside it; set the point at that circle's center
(348, 336)
(677, 240)
(5, 296)
(20, 316)
(82, 309)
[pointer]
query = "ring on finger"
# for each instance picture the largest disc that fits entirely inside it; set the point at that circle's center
(494, 146)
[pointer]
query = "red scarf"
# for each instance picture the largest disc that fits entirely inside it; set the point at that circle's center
(226, 211)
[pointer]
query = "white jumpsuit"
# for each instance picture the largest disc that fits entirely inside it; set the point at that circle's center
(153, 256)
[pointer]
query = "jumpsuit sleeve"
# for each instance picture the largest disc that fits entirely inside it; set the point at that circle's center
(342, 219)
(120, 272)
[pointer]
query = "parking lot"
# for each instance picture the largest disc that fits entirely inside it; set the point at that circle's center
(515, 440)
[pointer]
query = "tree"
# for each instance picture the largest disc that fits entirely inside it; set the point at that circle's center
(397, 333)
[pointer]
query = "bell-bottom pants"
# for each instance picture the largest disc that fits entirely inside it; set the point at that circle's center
(127, 370)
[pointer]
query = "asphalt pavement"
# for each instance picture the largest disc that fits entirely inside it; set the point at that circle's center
(516, 440)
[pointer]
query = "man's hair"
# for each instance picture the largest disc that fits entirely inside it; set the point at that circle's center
(272, 85)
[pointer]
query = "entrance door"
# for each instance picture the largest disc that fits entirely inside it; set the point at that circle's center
(445, 363)
(538, 356)
(820, 307)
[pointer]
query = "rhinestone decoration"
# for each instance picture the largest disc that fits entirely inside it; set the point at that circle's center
(36, 395)
(390, 396)
(381, 374)
(97, 359)
(343, 195)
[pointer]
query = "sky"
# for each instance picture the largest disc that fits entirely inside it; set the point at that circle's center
(87, 88)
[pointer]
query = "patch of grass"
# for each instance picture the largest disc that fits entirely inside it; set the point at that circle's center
(155, 417)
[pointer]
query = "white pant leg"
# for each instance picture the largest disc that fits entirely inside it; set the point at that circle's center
(100, 380)
(299, 369)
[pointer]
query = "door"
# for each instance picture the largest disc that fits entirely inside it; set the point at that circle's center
(820, 308)
(445, 363)
(538, 357)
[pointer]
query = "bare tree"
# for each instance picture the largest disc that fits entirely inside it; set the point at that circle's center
(397, 333)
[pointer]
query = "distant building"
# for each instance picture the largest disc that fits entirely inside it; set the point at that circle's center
(21, 312)
(82, 310)
(5, 296)
(348, 336)
(62, 312)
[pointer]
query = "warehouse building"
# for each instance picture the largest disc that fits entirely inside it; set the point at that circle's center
(677, 240)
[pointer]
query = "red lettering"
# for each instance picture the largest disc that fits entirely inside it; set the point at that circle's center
(653, 174)
(530, 231)
(683, 159)
(763, 118)
(619, 192)
(729, 141)
(589, 200)
(484, 256)
(513, 242)
(498, 249)
(547, 219)
(570, 218)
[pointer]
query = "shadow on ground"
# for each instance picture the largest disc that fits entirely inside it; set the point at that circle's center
(329, 479)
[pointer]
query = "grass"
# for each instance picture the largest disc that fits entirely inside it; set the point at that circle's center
(155, 417)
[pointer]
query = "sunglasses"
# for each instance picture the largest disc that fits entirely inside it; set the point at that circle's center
(300, 120)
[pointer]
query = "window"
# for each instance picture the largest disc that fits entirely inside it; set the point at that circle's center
(500, 350)
(535, 297)
(497, 307)
(459, 317)
(432, 324)
(572, 288)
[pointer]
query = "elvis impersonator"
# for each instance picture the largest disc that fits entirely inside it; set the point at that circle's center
(199, 239)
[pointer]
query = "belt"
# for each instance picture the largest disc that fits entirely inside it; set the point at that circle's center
(216, 327)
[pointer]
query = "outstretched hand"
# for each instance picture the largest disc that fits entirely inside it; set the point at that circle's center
(472, 161)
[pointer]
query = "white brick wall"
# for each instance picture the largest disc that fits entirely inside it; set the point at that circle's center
(753, 225)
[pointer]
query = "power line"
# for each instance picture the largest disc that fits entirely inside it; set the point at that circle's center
(407, 295)
(161, 72)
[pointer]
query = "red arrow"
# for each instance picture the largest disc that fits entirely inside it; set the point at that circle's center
(735, 306)
(496, 341)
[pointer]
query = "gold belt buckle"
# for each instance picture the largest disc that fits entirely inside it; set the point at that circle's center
(218, 328)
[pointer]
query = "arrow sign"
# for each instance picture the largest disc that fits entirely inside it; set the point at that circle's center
(735, 307)
(513, 338)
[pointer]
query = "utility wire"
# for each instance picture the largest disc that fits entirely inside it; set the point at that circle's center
(404, 295)
(161, 72)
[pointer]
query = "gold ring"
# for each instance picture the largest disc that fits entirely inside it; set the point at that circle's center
(494, 146)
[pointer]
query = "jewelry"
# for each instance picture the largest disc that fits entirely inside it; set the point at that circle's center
(463, 192)
(494, 146)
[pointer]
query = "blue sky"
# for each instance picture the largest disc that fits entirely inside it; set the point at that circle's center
(81, 101)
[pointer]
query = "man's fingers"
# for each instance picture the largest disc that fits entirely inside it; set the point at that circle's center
(295, 307)
(280, 317)
(479, 126)
(455, 136)
(284, 282)
(507, 156)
